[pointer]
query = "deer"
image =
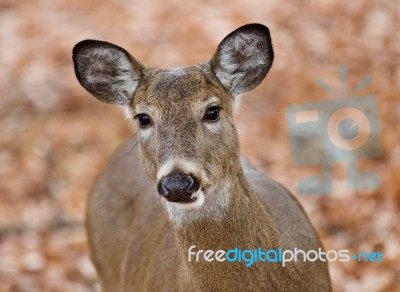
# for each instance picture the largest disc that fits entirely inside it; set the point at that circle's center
(180, 185)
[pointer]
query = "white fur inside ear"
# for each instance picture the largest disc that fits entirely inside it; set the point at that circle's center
(109, 74)
(238, 58)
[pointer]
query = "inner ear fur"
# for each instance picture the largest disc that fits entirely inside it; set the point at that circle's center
(107, 71)
(243, 58)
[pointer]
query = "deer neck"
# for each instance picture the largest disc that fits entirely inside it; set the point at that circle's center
(244, 224)
(237, 218)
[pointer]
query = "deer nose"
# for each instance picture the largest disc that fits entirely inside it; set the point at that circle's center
(178, 187)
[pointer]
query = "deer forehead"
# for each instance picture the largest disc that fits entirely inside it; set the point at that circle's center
(186, 90)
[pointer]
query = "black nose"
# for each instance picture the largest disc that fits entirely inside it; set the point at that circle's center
(178, 187)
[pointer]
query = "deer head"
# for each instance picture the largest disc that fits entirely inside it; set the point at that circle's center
(188, 144)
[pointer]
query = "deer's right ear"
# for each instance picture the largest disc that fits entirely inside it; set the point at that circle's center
(107, 71)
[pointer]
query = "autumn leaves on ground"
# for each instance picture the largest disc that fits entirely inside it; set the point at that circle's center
(55, 138)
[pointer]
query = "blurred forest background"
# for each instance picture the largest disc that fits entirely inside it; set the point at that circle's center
(55, 137)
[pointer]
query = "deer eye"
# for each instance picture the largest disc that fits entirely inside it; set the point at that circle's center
(144, 120)
(212, 114)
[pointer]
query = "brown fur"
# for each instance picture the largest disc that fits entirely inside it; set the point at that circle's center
(136, 243)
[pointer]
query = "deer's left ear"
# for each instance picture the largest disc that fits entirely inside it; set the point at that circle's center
(243, 58)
